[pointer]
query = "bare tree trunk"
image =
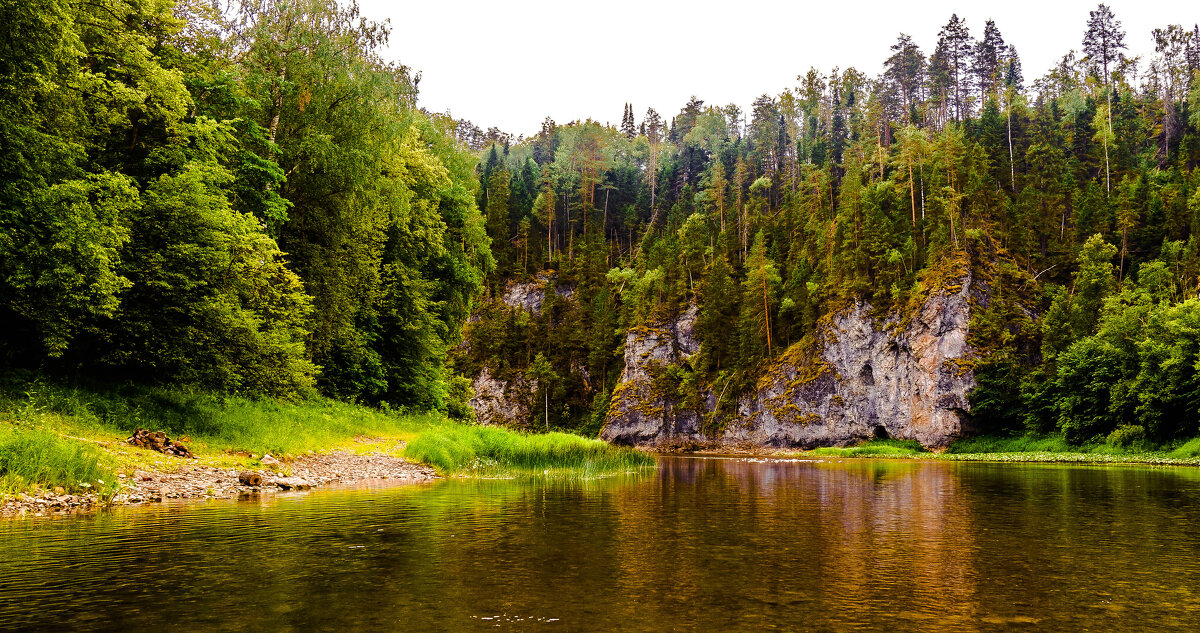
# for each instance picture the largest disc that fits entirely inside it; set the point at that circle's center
(766, 309)
(1012, 167)
(1107, 171)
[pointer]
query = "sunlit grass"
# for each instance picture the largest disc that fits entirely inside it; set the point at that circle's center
(1053, 448)
(456, 449)
(875, 448)
(36, 458)
(1022, 448)
(212, 423)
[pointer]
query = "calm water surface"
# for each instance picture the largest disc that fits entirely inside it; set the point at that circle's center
(703, 544)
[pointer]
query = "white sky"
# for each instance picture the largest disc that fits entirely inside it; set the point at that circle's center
(512, 63)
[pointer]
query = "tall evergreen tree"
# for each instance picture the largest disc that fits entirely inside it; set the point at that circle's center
(628, 126)
(989, 64)
(954, 41)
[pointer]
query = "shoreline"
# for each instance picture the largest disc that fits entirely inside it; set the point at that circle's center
(196, 481)
(867, 451)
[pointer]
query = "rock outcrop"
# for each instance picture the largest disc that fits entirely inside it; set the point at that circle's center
(501, 401)
(900, 378)
(640, 412)
(530, 295)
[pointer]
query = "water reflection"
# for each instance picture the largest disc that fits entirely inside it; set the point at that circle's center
(720, 544)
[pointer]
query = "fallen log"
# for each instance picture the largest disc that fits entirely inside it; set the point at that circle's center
(250, 478)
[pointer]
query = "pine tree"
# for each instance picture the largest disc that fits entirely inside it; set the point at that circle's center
(718, 309)
(1102, 46)
(653, 125)
(904, 72)
(988, 66)
(1103, 42)
(958, 48)
(759, 290)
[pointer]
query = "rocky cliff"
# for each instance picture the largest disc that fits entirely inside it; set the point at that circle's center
(641, 412)
(498, 402)
(507, 401)
(863, 377)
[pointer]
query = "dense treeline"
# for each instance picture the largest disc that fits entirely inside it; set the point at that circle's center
(1074, 198)
(242, 198)
(246, 198)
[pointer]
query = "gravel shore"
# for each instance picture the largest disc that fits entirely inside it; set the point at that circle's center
(192, 482)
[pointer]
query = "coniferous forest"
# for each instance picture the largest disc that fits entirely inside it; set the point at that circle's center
(249, 199)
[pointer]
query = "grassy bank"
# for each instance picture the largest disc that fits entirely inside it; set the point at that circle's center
(53, 435)
(34, 457)
(491, 452)
(1044, 449)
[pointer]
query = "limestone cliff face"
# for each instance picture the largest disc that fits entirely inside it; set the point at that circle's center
(498, 401)
(639, 413)
(865, 379)
(501, 401)
(530, 295)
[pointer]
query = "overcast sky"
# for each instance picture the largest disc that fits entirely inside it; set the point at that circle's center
(511, 64)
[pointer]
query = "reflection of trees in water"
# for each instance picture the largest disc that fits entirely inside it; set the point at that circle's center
(798, 542)
(702, 544)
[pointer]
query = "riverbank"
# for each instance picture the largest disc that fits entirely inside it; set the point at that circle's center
(199, 481)
(1022, 449)
(63, 449)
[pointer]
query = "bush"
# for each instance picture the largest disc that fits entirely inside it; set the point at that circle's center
(1127, 436)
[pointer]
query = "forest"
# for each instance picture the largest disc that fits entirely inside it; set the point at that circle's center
(1073, 197)
(248, 199)
(241, 198)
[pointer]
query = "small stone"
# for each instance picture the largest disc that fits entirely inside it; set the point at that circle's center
(267, 460)
(58, 490)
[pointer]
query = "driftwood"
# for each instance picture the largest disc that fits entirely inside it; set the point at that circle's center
(158, 441)
(250, 478)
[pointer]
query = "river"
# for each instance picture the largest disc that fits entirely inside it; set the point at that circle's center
(703, 544)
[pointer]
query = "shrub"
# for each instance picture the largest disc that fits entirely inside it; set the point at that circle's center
(1127, 436)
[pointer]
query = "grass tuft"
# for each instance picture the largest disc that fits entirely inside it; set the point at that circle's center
(480, 451)
(1029, 448)
(36, 458)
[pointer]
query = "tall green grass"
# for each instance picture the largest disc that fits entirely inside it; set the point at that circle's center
(457, 449)
(33, 457)
(1014, 444)
(1053, 448)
